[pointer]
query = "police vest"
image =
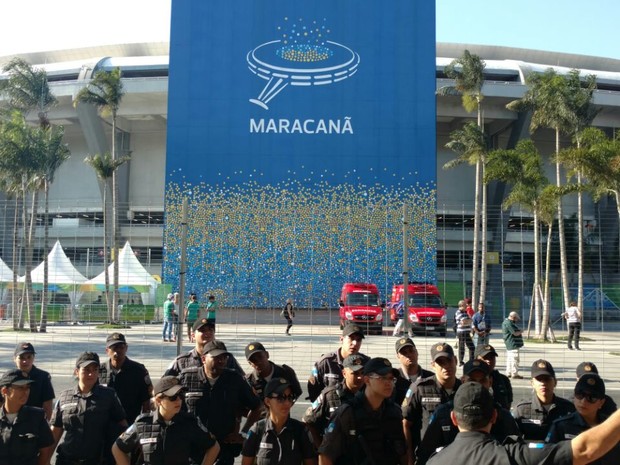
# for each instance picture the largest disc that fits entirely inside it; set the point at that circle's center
(149, 435)
(20, 441)
(193, 383)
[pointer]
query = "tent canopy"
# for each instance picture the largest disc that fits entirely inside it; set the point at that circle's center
(61, 271)
(6, 275)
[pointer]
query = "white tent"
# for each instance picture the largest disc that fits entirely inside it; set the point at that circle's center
(62, 275)
(132, 276)
(6, 276)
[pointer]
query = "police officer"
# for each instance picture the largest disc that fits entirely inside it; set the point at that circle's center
(441, 430)
(216, 395)
(327, 370)
(535, 415)
(90, 415)
(502, 389)
(474, 414)
(204, 332)
(263, 370)
(409, 371)
(585, 368)
(317, 416)
(41, 391)
(167, 436)
(130, 379)
(278, 439)
(25, 437)
(589, 401)
(426, 394)
(369, 428)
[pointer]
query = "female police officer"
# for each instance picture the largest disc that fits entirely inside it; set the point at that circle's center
(167, 435)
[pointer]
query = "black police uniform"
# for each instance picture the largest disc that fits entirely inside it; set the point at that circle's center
(291, 446)
(162, 443)
(534, 420)
(21, 440)
(41, 390)
(357, 434)
(322, 409)
(278, 371)
(193, 359)
(87, 421)
(422, 398)
(502, 389)
(570, 426)
(475, 448)
(132, 385)
(218, 405)
(327, 371)
(404, 381)
(441, 431)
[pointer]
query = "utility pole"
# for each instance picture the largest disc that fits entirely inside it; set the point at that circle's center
(182, 274)
(405, 273)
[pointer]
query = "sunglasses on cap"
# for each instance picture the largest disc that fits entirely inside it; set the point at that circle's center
(592, 398)
(283, 398)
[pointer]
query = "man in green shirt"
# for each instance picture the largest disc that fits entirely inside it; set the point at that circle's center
(514, 341)
(191, 315)
(167, 333)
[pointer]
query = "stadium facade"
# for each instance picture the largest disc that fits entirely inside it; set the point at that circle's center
(75, 196)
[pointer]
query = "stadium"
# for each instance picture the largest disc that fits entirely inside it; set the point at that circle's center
(76, 196)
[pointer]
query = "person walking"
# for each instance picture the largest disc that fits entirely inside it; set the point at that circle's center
(169, 313)
(289, 314)
(573, 318)
(513, 339)
(481, 325)
(463, 332)
(192, 309)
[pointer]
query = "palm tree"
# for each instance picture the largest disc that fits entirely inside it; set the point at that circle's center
(468, 74)
(105, 167)
(105, 91)
(557, 102)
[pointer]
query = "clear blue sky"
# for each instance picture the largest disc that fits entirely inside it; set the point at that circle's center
(570, 26)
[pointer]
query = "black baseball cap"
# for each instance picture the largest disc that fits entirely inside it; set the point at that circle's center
(484, 350)
(380, 366)
(591, 384)
(168, 386)
(198, 324)
(215, 348)
(115, 338)
(252, 348)
(24, 348)
(86, 358)
(14, 378)
(276, 386)
(542, 368)
(474, 401)
(352, 329)
(476, 365)
(353, 362)
(441, 350)
(403, 342)
(585, 368)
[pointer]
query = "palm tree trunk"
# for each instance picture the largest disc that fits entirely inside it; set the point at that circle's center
(580, 245)
(15, 263)
(474, 268)
(29, 257)
(43, 325)
(536, 296)
(115, 228)
(544, 328)
(483, 249)
(106, 275)
(563, 262)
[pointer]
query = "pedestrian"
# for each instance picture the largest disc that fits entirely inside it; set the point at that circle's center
(25, 437)
(130, 379)
(169, 317)
(317, 416)
(263, 370)
(585, 368)
(41, 391)
(279, 439)
(501, 386)
(468, 308)
(211, 309)
(327, 370)
(535, 415)
(481, 325)
(369, 428)
(463, 332)
(167, 436)
(288, 313)
(426, 394)
(192, 309)
(474, 414)
(573, 318)
(409, 370)
(513, 339)
(589, 400)
(204, 332)
(399, 328)
(216, 395)
(90, 416)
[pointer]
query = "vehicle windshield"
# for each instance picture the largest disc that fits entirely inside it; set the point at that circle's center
(361, 299)
(425, 301)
